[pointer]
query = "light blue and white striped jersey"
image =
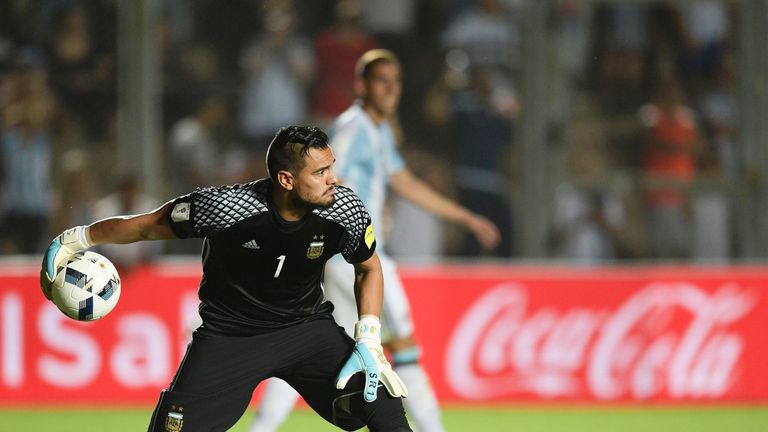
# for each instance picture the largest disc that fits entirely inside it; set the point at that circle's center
(366, 156)
(27, 166)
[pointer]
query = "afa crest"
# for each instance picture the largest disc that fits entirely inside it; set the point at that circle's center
(315, 249)
(174, 422)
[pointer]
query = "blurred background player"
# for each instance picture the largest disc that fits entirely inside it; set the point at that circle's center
(367, 160)
(278, 68)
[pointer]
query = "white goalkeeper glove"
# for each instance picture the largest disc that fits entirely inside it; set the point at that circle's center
(58, 253)
(368, 357)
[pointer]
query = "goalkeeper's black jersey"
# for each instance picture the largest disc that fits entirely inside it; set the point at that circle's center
(261, 272)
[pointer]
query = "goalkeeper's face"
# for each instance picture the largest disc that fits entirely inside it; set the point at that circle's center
(315, 184)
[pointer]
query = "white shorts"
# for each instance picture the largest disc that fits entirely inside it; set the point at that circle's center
(395, 311)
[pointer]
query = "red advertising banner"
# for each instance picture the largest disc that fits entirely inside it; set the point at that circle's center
(490, 334)
(126, 357)
(599, 335)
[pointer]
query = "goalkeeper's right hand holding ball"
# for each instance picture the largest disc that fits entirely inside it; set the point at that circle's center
(62, 248)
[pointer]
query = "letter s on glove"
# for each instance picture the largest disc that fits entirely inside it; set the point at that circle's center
(368, 357)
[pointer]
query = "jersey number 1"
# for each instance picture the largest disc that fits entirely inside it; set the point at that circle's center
(280, 261)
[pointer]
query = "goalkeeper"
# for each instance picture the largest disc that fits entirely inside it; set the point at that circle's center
(261, 301)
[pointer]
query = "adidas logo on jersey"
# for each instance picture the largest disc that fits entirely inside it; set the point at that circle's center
(251, 244)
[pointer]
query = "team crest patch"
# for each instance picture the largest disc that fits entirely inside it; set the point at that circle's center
(316, 247)
(174, 421)
(369, 236)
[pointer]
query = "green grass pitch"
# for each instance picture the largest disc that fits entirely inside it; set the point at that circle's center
(457, 419)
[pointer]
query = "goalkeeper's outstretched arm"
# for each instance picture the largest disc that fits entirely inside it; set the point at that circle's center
(121, 229)
(129, 229)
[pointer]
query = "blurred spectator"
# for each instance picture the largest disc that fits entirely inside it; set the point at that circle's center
(81, 72)
(671, 148)
(225, 26)
(472, 113)
(588, 214)
(26, 158)
(719, 110)
(484, 112)
(127, 199)
(196, 149)
(188, 63)
(14, 30)
(76, 181)
(278, 67)
(483, 45)
(712, 212)
(337, 49)
(572, 58)
(489, 33)
(199, 155)
(394, 17)
(392, 23)
(705, 29)
(177, 20)
(711, 225)
(623, 41)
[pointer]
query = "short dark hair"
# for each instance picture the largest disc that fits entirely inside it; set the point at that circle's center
(371, 58)
(289, 147)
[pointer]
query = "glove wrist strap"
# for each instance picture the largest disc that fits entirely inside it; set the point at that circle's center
(77, 239)
(368, 329)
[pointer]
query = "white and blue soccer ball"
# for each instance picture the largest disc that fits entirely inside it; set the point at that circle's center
(87, 288)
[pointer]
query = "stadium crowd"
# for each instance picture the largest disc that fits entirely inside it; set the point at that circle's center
(641, 129)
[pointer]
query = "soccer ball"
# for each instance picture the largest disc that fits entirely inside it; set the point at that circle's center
(87, 288)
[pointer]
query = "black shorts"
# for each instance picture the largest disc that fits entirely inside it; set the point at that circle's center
(215, 380)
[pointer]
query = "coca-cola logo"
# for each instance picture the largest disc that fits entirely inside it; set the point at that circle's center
(669, 339)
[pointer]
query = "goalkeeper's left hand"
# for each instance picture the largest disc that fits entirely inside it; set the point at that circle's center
(59, 251)
(368, 357)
